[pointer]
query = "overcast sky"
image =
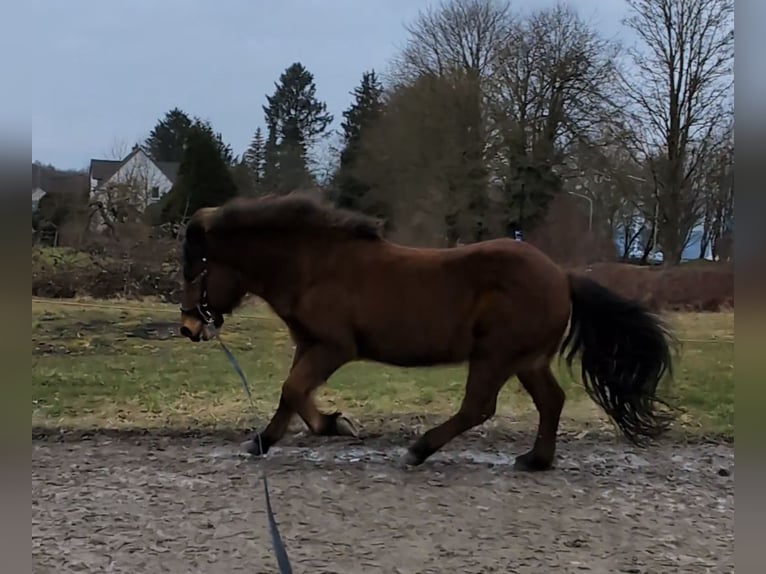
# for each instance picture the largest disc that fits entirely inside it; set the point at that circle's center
(102, 72)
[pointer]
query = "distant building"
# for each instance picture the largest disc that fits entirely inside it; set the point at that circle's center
(121, 190)
(37, 194)
(146, 179)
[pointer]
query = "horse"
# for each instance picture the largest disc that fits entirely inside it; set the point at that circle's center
(346, 293)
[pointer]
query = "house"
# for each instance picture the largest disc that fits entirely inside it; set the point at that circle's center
(37, 194)
(145, 179)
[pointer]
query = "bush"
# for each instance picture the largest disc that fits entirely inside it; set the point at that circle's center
(707, 287)
(149, 269)
(59, 271)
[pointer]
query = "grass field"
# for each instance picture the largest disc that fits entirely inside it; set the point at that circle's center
(91, 368)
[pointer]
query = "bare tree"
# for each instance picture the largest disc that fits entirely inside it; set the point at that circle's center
(118, 149)
(718, 194)
(549, 90)
(455, 35)
(449, 55)
(678, 89)
(420, 161)
(482, 99)
(621, 195)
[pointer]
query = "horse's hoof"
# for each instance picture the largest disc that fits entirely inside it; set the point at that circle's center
(346, 427)
(529, 462)
(255, 447)
(410, 459)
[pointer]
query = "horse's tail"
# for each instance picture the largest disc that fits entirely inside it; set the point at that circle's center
(624, 351)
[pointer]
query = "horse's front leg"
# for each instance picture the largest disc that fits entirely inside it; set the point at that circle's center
(311, 368)
(319, 423)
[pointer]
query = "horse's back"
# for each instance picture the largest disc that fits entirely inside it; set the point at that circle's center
(422, 306)
(456, 277)
(518, 278)
(495, 264)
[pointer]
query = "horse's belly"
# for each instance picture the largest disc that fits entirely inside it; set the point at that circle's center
(412, 346)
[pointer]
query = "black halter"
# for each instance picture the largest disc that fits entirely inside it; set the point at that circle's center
(202, 308)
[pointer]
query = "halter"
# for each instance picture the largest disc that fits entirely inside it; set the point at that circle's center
(202, 308)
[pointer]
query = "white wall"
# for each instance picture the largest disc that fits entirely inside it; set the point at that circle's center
(142, 174)
(37, 195)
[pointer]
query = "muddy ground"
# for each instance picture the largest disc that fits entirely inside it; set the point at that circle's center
(171, 504)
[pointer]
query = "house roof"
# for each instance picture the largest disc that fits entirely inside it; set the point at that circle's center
(103, 169)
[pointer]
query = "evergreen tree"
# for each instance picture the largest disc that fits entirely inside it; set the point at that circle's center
(295, 119)
(227, 155)
(224, 149)
(528, 191)
(240, 173)
(271, 165)
(204, 178)
(254, 158)
(166, 141)
(366, 108)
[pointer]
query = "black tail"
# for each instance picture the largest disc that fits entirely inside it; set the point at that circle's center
(625, 351)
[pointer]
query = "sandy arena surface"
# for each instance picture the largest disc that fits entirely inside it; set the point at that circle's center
(161, 504)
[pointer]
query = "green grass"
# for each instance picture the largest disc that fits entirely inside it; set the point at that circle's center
(87, 372)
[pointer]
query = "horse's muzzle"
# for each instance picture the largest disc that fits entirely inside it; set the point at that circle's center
(195, 330)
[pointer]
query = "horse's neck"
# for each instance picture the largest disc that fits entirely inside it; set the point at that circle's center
(281, 271)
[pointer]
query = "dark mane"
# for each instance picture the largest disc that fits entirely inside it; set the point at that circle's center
(295, 212)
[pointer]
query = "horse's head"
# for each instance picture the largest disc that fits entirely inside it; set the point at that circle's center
(210, 287)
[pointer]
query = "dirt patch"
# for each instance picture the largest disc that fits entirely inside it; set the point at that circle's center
(161, 504)
(97, 335)
(155, 330)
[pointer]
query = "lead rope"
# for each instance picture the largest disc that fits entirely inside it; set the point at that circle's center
(276, 540)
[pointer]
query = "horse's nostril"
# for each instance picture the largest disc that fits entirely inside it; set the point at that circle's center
(186, 332)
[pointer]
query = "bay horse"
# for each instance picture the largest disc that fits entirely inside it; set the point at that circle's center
(346, 293)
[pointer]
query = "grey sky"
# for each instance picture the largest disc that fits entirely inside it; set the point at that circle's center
(103, 72)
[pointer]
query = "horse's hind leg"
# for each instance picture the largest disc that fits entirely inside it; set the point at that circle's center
(486, 376)
(548, 397)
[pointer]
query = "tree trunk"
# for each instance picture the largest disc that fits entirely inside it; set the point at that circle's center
(625, 244)
(649, 245)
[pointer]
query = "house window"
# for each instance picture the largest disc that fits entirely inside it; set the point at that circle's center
(155, 192)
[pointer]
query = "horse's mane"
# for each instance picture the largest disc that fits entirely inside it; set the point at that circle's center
(292, 213)
(296, 213)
